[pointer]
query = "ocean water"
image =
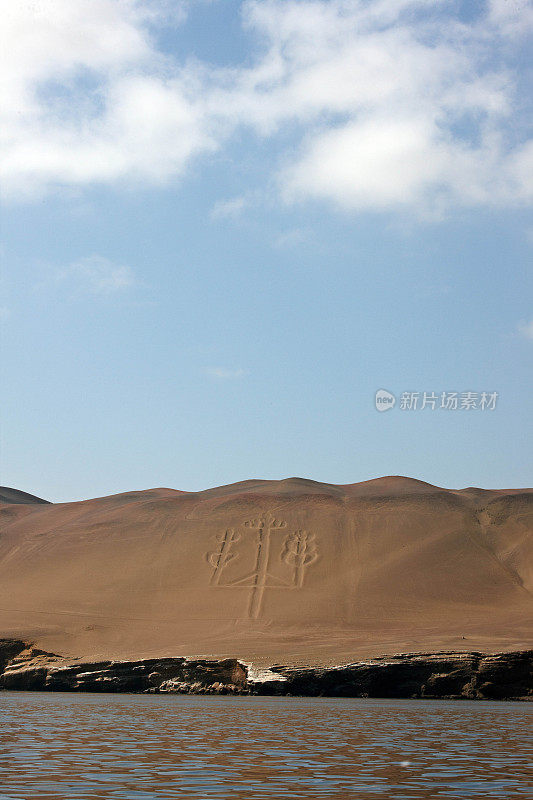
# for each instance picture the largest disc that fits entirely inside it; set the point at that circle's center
(148, 747)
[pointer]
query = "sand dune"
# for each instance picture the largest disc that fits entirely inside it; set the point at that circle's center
(293, 570)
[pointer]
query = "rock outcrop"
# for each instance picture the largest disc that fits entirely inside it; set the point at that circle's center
(9, 649)
(35, 670)
(472, 676)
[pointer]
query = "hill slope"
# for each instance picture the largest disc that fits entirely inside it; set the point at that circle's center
(8, 495)
(291, 571)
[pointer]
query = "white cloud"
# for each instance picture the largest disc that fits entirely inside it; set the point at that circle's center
(291, 238)
(377, 162)
(515, 15)
(97, 275)
(388, 104)
(526, 329)
(222, 373)
(414, 117)
(86, 98)
(232, 207)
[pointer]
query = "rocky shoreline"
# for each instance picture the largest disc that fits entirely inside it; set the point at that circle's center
(455, 675)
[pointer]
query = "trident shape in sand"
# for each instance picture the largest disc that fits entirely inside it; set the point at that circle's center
(223, 556)
(299, 550)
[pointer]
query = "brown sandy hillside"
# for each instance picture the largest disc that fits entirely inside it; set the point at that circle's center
(290, 571)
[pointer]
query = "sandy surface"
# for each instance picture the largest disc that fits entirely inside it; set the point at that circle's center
(290, 571)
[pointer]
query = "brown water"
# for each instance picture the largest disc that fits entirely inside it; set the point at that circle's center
(151, 747)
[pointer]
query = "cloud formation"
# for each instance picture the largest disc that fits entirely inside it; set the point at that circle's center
(222, 373)
(232, 207)
(97, 275)
(387, 104)
(526, 329)
(86, 98)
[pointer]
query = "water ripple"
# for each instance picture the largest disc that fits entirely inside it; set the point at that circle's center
(131, 747)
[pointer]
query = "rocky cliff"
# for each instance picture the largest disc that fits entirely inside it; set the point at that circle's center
(472, 676)
(31, 669)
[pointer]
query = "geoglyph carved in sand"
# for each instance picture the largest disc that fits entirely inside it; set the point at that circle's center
(298, 550)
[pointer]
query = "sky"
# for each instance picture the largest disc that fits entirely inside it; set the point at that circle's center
(226, 225)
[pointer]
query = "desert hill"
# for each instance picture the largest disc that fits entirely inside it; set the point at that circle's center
(8, 495)
(291, 571)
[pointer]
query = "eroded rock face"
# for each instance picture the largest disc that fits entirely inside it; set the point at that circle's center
(473, 676)
(38, 671)
(9, 648)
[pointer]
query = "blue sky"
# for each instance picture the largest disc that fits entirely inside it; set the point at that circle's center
(226, 225)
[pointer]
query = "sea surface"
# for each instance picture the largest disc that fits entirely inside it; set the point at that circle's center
(143, 747)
